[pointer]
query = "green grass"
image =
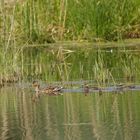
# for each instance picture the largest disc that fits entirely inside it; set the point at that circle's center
(48, 21)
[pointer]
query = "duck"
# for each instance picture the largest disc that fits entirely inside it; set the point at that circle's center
(37, 90)
(50, 90)
(36, 86)
(86, 89)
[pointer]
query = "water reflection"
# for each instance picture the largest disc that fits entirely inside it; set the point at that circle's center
(71, 116)
(65, 64)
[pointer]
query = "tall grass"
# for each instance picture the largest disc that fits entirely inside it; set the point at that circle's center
(47, 21)
(41, 21)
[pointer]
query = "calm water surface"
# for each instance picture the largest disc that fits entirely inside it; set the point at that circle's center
(73, 116)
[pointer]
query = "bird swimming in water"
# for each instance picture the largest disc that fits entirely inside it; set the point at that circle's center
(86, 89)
(50, 90)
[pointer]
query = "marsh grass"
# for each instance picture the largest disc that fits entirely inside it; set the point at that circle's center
(48, 21)
(29, 22)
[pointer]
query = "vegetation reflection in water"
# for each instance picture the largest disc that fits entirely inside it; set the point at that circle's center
(104, 66)
(71, 116)
(70, 64)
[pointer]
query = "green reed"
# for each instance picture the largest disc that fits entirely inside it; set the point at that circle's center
(48, 21)
(27, 22)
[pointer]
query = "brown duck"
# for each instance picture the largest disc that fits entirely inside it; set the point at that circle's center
(37, 89)
(50, 90)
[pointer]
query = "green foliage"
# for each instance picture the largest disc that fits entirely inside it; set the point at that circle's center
(51, 20)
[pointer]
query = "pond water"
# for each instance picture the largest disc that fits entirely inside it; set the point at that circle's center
(73, 116)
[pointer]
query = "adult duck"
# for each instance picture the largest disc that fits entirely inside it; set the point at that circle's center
(50, 90)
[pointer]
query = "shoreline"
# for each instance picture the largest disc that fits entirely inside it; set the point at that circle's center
(110, 44)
